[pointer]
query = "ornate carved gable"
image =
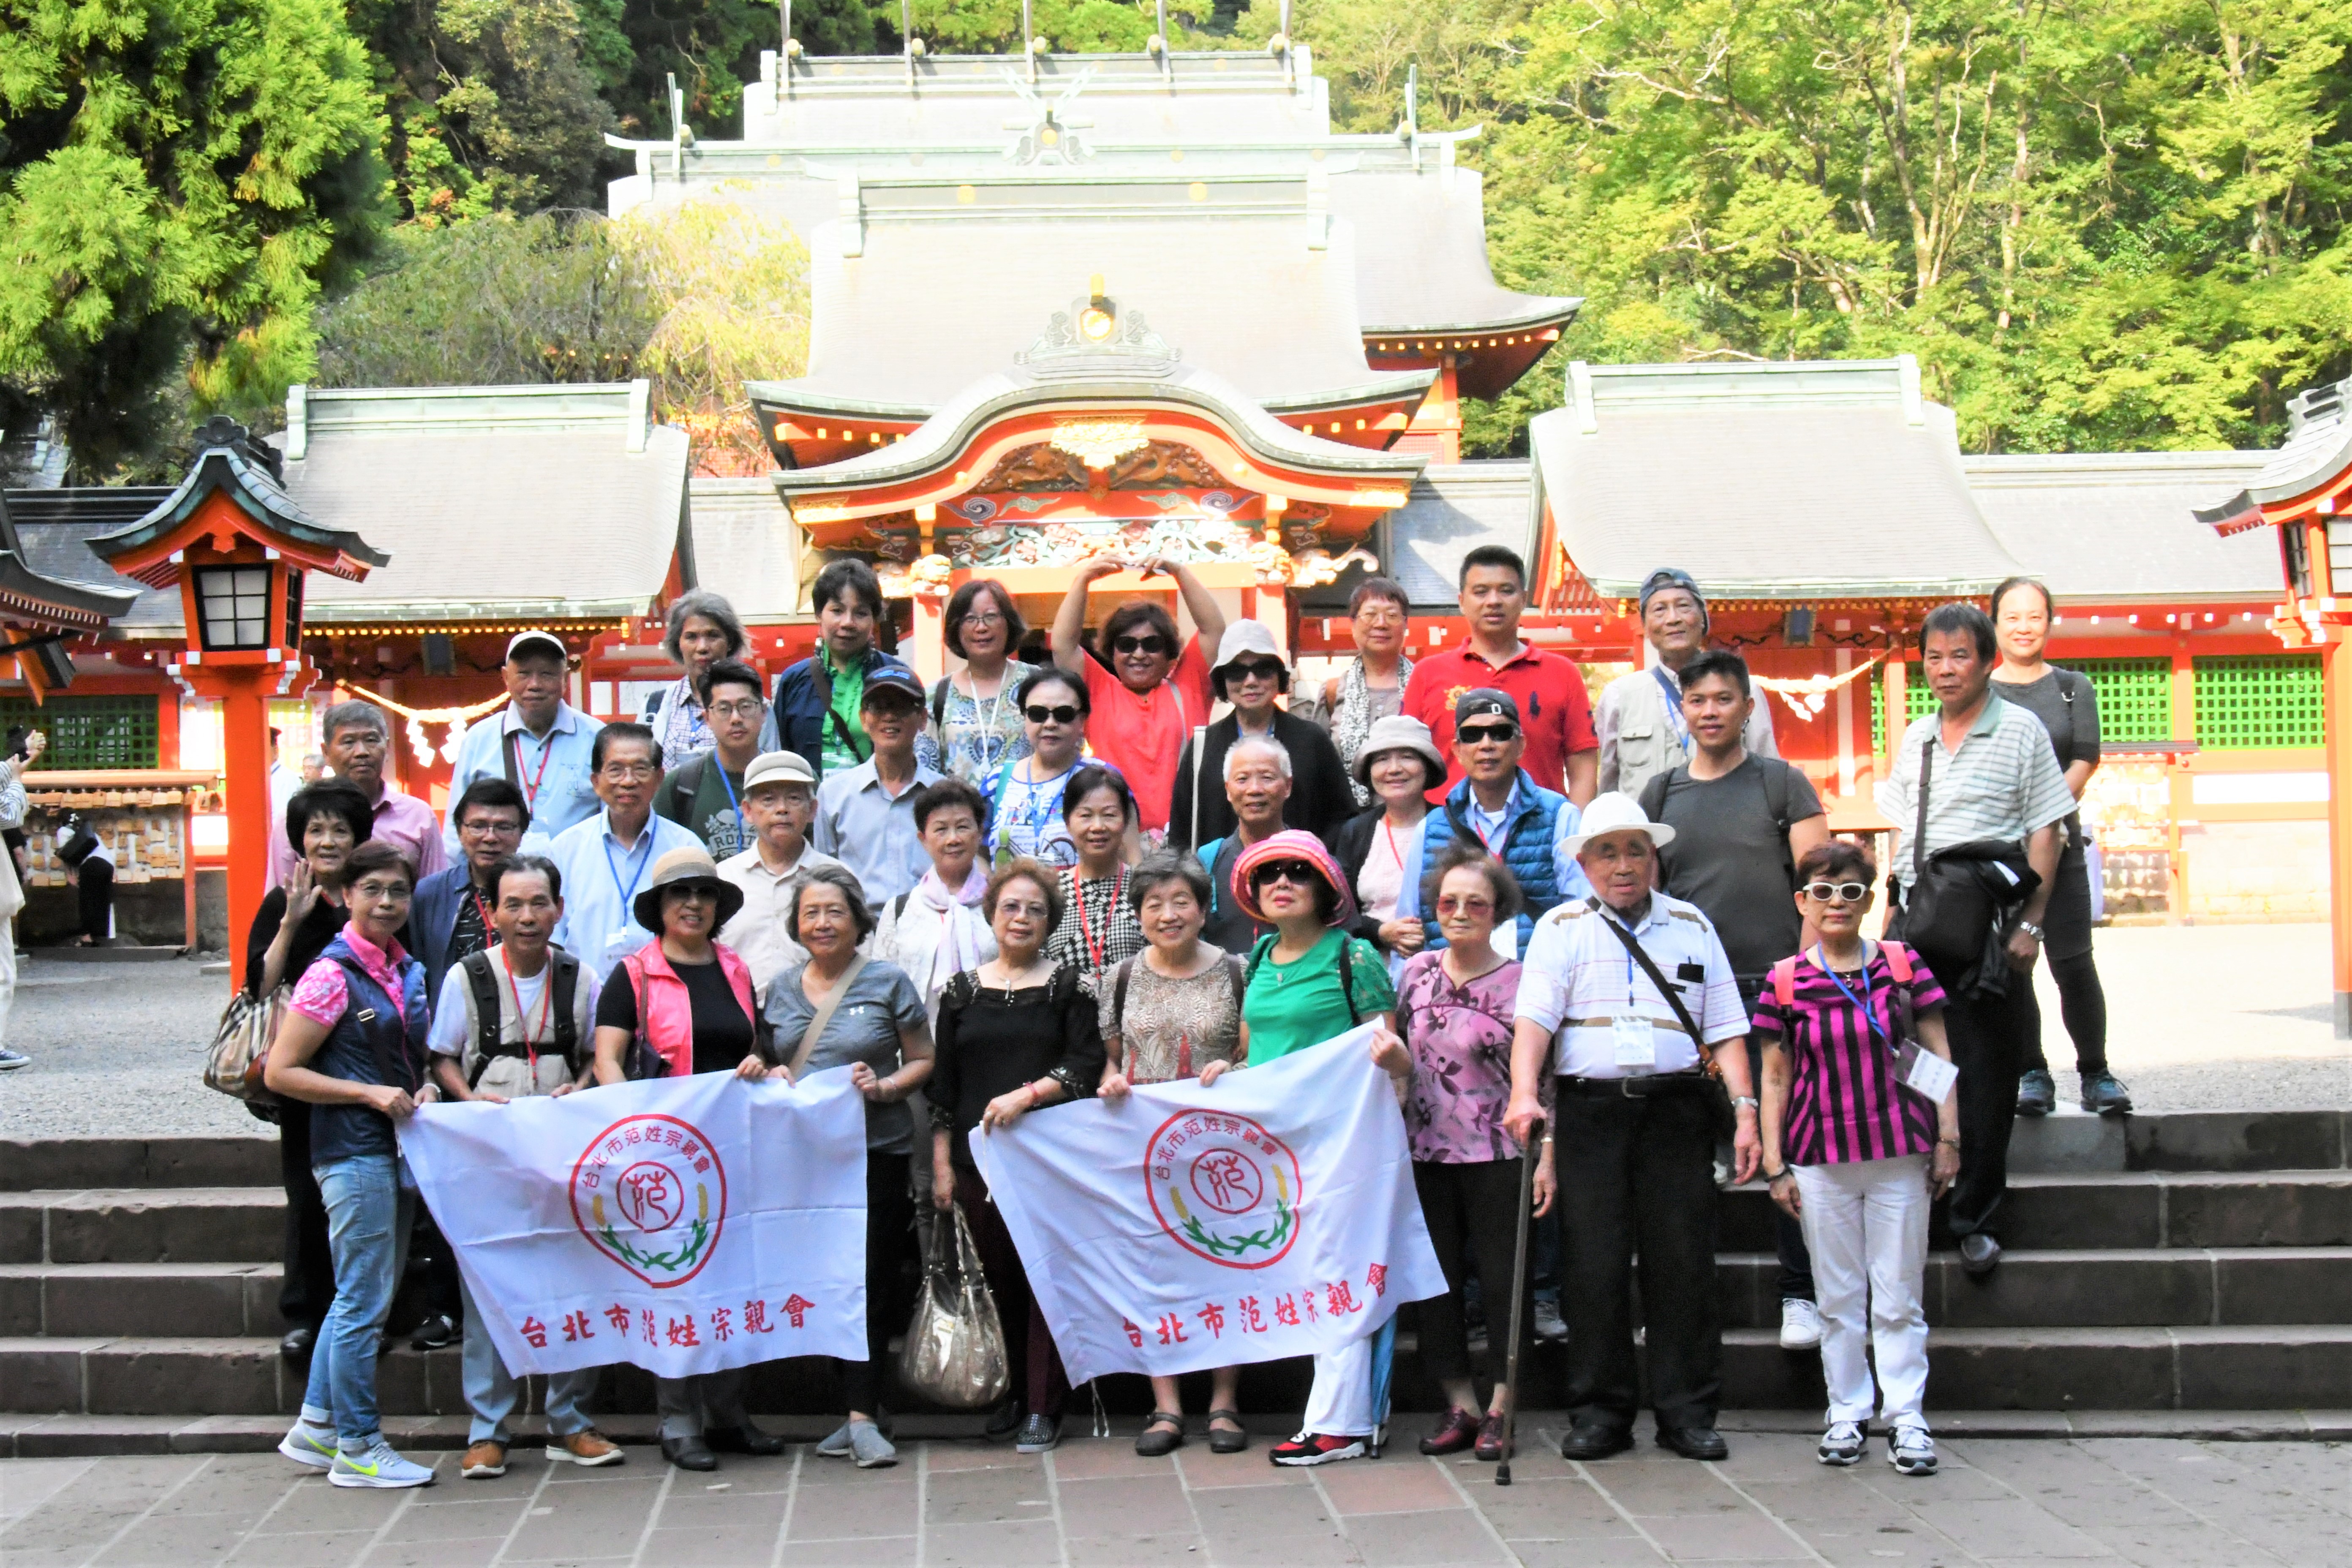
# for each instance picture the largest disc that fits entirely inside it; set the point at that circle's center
(1162, 463)
(1045, 468)
(1037, 467)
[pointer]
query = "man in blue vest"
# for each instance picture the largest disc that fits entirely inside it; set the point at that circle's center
(1522, 823)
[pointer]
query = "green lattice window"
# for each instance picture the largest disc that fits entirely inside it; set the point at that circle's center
(2258, 701)
(1916, 699)
(90, 732)
(2134, 697)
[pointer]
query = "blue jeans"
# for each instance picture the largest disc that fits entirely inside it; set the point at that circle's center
(491, 1393)
(368, 1219)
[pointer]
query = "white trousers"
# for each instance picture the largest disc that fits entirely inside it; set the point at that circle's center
(1866, 1226)
(1339, 1404)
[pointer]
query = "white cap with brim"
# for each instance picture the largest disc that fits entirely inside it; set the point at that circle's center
(779, 768)
(524, 641)
(1615, 813)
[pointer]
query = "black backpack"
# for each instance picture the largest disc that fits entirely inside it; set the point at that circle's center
(484, 984)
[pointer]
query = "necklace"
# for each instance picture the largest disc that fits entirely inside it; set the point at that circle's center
(1013, 977)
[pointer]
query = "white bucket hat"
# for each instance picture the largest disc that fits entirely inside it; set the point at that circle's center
(1616, 812)
(1244, 639)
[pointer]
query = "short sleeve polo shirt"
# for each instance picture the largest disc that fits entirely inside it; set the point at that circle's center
(1554, 707)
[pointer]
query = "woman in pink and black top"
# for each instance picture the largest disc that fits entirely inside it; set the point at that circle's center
(1857, 1153)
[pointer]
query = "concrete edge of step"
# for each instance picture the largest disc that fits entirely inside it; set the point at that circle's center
(27, 1437)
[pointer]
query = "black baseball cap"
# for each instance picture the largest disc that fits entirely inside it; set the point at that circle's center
(1484, 702)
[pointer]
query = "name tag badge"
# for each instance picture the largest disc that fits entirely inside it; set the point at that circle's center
(1637, 1048)
(1928, 1073)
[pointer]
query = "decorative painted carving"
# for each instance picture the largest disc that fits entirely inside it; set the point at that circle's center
(1037, 467)
(1187, 539)
(1100, 443)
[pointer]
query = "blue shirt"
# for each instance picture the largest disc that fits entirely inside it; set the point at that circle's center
(861, 825)
(601, 879)
(1490, 826)
(565, 794)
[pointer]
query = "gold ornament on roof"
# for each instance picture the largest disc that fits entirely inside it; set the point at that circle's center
(1100, 443)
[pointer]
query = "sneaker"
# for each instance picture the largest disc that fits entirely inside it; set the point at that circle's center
(1317, 1449)
(2103, 1094)
(2037, 1093)
(1549, 1324)
(836, 1444)
(11, 1059)
(1911, 1451)
(1800, 1324)
(1038, 1434)
(485, 1461)
(1843, 1444)
(437, 1333)
(588, 1448)
(377, 1465)
(872, 1451)
(310, 1446)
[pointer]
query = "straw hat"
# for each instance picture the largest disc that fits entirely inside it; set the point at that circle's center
(685, 866)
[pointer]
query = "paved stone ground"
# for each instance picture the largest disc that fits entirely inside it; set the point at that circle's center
(2155, 1503)
(2201, 1018)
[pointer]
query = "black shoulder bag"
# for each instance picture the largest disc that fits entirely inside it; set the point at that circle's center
(1719, 1097)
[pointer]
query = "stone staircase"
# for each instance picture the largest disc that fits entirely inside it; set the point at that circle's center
(2181, 1263)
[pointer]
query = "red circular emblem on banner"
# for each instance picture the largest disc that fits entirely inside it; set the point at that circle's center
(649, 1193)
(1224, 1188)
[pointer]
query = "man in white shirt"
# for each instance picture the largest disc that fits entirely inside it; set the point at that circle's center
(605, 859)
(1639, 717)
(1635, 1140)
(779, 803)
(540, 743)
(866, 814)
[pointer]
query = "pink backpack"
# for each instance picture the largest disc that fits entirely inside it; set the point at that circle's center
(1784, 973)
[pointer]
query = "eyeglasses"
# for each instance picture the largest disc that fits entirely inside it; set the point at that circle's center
(1470, 906)
(628, 773)
(1038, 713)
(1256, 669)
(1837, 893)
(981, 620)
(1479, 734)
(1298, 873)
(748, 708)
(1140, 645)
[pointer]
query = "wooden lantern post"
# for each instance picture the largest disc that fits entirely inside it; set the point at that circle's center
(238, 548)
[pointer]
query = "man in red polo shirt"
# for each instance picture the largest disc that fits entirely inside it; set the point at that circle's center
(1556, 713)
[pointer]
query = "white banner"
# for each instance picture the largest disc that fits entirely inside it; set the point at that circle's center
(687, 1225)
(1271, 1215)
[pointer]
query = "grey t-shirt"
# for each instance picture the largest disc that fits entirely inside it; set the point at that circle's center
(2068, 706)
(1731, 858)
(880, 1002)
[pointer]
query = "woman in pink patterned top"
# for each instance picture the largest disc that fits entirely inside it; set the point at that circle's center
(1455, 1009)
(1855, 1152)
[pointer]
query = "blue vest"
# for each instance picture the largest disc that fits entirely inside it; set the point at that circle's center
(1526, 849)
(368, 1044)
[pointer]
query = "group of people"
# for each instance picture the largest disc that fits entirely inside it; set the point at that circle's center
(1620, 933)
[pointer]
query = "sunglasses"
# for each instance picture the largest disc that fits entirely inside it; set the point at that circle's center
(1040, 714)
(1140, 645)
(1298, 873)
(1267, 670)
(1471, 906)
(1479, 734)
(1837, 893)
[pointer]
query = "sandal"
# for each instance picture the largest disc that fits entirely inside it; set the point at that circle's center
(1227, 1442)
(1162, 1435)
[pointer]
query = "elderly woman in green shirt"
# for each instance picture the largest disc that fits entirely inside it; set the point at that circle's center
(1309, 982)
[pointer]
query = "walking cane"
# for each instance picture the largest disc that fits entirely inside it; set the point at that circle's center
(1519, 1302)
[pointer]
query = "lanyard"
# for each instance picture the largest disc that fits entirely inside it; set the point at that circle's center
(1397, 855)
(546, 750)
(531, 1035)
(1094, 945)
(987, 740)
(1478, 828)
(644, 856)
(728, 786)
(1673, 697)
(489, 932)
(1869, 1023)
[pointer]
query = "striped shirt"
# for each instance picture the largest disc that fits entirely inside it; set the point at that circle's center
(1844, 1100)
(2004, 783)
(1577, 978)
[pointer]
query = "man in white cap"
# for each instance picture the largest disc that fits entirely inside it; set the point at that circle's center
(1625, 996)
(1250, 674)
(1639, 717)
(540, 743)
(779, 803)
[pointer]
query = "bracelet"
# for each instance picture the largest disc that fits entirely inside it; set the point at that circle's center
(1948, 1142)
(1746, 1099)
(2030, 929)
(1772, 1176)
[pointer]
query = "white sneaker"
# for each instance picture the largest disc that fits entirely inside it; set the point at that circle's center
(312, 1446)
(1911, 1451)
(1843, 1444)
(1800, 1324)
(378, 1467)
(9, 1060)
(838, 1444)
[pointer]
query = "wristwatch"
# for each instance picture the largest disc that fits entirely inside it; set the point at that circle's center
(1740, 1100)
(2030, 929)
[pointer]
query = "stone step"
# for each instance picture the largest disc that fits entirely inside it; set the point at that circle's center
(26, 1164)
(143, 1225)
(86, 1299)
(2275, 1366)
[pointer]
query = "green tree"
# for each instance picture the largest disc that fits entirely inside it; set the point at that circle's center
(177, 180)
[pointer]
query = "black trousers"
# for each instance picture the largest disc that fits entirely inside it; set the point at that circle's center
(1988, 1038)
(308, 1286)
(1637, 1176)
(889, 1225)
(1039, 1379)
(1473, 1215)
(95, 888)
(2082, 1000)
(1796, 1274)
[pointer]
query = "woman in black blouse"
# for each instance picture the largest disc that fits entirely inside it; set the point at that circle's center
(324, 822)
(1018, 1033)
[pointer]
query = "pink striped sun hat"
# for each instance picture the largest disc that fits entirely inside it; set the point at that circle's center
(1291, 844)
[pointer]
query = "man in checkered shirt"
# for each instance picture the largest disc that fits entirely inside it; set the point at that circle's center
(1995, 777)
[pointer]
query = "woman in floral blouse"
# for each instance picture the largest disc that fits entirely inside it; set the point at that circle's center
(976, 725)
(1097, 927)
(1455, 1009)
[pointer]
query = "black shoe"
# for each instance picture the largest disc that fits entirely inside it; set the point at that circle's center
(1038, 1434)
(1693, 1442)
(1004, 1421)
(297, 1343)
(744, 1439)
(689, 1453)
(1591, 1440)
(2103, 1094)
(437, 1333)
(2037, 1093)
(1980, 1254)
